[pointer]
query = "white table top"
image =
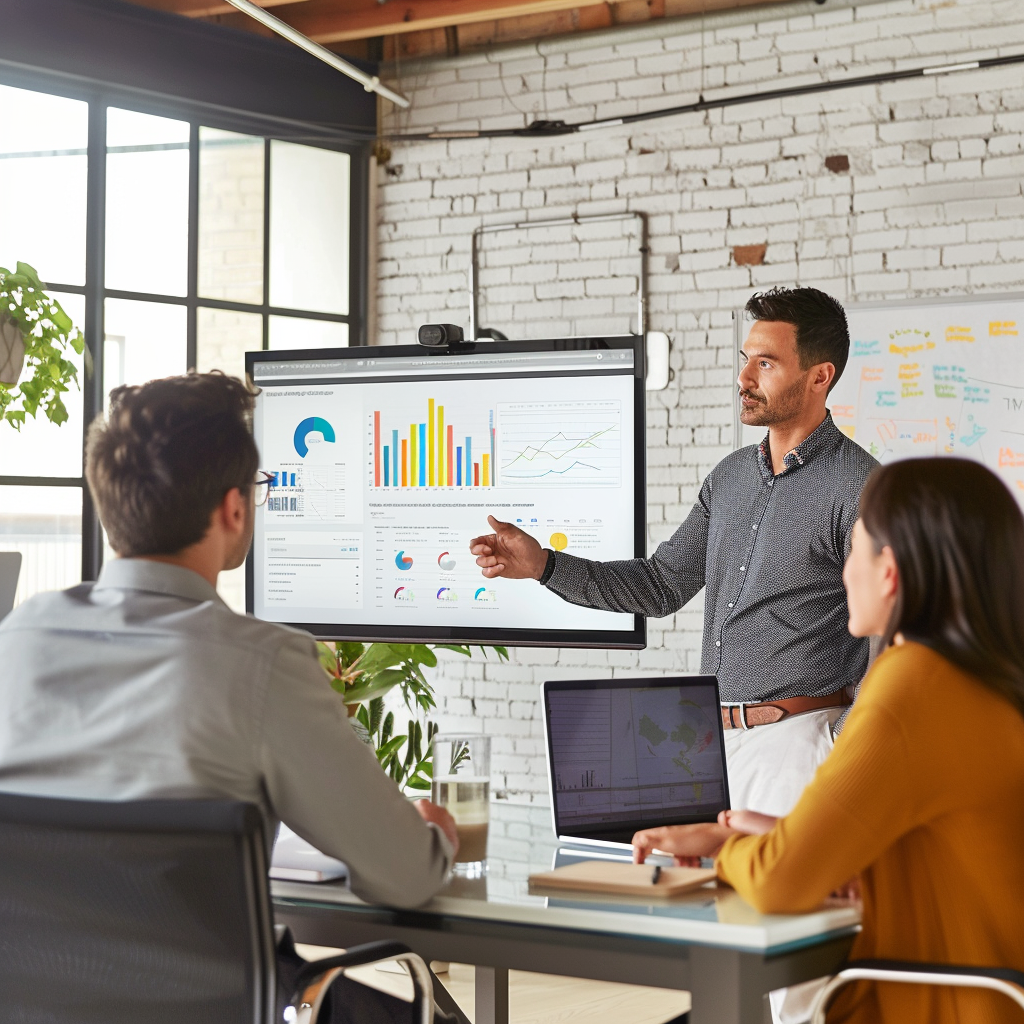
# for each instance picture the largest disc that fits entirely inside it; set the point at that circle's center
(521, 842)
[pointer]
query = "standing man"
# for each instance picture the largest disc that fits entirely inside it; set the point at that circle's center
(767, 537)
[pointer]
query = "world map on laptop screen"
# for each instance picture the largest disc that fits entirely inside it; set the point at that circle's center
(635, 755)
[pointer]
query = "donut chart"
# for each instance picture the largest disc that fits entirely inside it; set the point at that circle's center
(403, 561)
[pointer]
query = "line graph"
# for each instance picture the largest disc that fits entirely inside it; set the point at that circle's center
(561, 443)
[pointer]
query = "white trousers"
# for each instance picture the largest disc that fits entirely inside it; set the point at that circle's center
(769, 766)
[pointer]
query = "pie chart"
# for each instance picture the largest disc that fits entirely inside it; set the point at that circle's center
(445, 561)
(403, 561)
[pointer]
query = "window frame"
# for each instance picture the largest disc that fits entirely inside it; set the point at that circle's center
(99, 98)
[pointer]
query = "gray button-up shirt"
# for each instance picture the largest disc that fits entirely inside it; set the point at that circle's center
(146, 685)
(770, 550)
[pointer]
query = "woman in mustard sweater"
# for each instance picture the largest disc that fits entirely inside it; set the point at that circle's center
(922, 799)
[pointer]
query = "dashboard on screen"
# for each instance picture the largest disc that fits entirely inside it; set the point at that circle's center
(386, 462)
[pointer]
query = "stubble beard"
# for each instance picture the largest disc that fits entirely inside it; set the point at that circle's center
(785, 407)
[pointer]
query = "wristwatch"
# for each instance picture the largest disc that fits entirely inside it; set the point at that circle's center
(549, 568)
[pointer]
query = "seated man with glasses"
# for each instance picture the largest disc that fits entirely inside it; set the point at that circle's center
(146, 685)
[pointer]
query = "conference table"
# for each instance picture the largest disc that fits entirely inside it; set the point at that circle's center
(709, 942)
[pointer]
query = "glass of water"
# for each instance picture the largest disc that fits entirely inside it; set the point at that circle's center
(462, 785)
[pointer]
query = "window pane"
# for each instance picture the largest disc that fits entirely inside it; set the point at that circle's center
(309, 228)
(45, 525)
(147, 203)
(230, 216)
(223, 337)
(42, 184)
(144, 340)
(294, 332)
(41, 448)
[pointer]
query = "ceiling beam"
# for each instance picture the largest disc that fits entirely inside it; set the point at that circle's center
(206, 8)
(335, 21)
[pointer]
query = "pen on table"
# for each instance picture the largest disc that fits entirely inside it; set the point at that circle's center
(655, 874)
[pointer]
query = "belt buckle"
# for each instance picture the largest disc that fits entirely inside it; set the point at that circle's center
(743, 717)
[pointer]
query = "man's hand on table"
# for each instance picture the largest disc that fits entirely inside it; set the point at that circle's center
(508, 552)
(439, 816)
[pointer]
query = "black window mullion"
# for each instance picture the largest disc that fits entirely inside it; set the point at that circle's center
(266, 243)
(92, 384)
(193, 244)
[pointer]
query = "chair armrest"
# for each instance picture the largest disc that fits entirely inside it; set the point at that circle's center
(371, 953)
(999, 979)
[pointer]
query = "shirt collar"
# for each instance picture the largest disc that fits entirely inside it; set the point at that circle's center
(824, 437)
(156, 578)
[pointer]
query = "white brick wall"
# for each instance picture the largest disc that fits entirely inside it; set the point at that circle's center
(932, 204)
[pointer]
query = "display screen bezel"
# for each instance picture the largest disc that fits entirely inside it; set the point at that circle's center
(625, 832)
(629, 639)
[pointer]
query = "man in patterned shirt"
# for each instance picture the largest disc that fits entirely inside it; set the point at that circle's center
(767, 538)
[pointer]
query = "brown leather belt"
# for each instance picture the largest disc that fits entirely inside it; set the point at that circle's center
(746, 716)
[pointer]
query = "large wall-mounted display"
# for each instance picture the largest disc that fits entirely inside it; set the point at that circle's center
(386, 462)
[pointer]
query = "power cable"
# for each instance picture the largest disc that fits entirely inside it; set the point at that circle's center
(551, 128)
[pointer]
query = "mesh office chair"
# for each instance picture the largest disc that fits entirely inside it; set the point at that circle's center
(1000, 979)
(146, 912)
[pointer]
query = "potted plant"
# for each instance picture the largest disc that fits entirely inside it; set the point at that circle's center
(35, 338)
(364, 673)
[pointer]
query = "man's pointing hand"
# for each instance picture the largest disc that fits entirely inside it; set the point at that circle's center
(508, 552)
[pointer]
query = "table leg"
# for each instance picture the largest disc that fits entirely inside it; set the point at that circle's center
(722, 992)
(491, 995)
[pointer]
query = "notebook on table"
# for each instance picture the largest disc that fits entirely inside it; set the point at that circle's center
(608, 877)
(629, 754)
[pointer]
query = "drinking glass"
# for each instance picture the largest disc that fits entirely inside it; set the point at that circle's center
(462, 785)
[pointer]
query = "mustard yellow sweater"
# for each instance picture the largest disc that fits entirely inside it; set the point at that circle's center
(923, 797)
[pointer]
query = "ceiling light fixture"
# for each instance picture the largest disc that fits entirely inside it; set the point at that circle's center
(371, 83)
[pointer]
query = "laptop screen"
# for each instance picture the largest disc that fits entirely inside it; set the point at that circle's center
(627, 754)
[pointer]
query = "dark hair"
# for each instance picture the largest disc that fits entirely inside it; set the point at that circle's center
(166, 455)
(957, 535)
(822, 334)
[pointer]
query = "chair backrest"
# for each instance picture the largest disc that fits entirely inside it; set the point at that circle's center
(141, 912)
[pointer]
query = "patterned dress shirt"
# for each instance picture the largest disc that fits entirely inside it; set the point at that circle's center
(770, 551)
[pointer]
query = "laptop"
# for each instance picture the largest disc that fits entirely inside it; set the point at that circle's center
(10, 569)
(295, 860)
(629, 754)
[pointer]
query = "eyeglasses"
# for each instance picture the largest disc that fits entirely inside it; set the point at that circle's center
(261, 487)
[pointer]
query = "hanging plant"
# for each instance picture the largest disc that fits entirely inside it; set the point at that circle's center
(35, 338)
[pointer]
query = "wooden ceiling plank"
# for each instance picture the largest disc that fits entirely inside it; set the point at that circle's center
(208, 8)
(371, 18)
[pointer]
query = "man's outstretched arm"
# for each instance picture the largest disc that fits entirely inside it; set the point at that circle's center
(653, 586)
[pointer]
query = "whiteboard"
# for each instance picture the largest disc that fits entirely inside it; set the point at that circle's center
(931, 377)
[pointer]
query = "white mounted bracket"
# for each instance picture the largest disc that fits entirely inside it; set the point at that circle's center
(656, 344)
(371, 83)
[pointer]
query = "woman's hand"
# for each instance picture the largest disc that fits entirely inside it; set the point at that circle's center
(686, 843)
(750, 823)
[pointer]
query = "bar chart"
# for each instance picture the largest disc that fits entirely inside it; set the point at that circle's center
(431, 452)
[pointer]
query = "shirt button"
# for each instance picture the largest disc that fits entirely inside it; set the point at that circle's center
(743, 568)
(771, 482)
(730, 604)
(718, 643)
(754, 527)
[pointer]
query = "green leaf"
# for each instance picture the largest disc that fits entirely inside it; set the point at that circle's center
(417, 782)
(390, 748)
(376, 713)
(457, 648)
(376, 686)
(388, 728)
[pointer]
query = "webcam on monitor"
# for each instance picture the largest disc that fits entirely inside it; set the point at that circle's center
(439, 335)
